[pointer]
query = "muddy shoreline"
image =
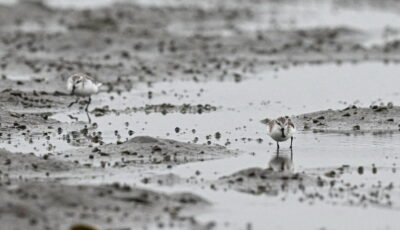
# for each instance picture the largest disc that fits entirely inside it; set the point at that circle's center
(57, 170)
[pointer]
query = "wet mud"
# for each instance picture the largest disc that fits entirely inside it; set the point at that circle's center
(37, 205)
(376, 119)
(56, 173)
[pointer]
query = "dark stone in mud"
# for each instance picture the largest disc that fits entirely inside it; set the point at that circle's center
(376, 119)
(149, 150)
(58, 207)
(83, 227)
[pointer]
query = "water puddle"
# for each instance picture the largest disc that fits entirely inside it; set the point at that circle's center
(240, 107)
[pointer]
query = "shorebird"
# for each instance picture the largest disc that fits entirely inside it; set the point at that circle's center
(82, 85)
(280, 129)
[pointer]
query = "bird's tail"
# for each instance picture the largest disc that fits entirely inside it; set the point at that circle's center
(265, 121)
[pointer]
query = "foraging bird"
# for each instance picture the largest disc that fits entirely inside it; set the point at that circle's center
(280, 129)
(82, 85)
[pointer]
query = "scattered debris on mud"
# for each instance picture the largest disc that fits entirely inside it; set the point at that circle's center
(149, 150)
(376, 119)
(162, 108)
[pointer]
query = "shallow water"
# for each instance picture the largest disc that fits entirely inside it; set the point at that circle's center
(241, 106)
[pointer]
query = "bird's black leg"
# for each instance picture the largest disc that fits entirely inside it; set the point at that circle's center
(73, 89)
(73, 118)
(291, 142)
(74, 102)
(291, 154)
(88, 116)
(277, 145)
(87, 106)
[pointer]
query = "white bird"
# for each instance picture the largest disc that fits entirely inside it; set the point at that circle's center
(280, 129)
(82, 85)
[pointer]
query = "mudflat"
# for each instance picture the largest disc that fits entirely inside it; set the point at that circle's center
(175, 140)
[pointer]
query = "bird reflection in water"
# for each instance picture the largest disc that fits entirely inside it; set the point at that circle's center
(282, 161)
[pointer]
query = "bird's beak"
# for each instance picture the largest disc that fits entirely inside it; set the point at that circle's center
(283, 132)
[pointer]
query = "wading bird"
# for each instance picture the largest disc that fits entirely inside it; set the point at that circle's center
(82, 85)
(280, 129)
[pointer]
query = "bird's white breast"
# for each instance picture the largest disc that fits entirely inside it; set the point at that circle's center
(277, 135)
(86, 88)
(83, 88)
